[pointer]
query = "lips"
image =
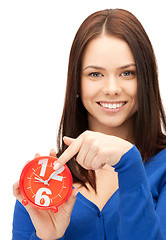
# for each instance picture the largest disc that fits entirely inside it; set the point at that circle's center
(113, 105)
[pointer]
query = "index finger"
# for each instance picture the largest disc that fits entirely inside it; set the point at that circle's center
(72, 150)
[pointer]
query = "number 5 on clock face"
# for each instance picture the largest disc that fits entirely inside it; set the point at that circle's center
(44, 187)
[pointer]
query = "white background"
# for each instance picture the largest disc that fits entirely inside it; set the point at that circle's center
(35, 40)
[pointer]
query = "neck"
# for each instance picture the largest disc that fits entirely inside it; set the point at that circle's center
(124, 131)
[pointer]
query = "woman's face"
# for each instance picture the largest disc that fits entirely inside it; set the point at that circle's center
(108, 82)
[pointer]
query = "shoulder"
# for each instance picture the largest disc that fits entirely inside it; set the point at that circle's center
(156, 169)
(157, 161)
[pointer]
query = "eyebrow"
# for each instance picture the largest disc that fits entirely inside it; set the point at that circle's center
(128, 65)
(101, 68)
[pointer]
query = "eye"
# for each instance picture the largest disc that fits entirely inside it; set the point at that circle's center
(95, 74)
(128, 74)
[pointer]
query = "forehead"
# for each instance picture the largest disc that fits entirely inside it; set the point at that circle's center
(107, 51)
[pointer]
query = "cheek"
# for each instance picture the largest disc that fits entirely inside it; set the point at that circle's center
(131, 89)
(132, 92)
(89, 89)
(85, 90)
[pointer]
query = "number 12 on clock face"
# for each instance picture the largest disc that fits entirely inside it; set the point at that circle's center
(42, 186)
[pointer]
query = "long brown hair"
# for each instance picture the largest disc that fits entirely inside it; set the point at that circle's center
(150, 117)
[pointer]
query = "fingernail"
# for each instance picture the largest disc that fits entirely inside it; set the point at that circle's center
(37, 155)
(56, 166)
(52, 152)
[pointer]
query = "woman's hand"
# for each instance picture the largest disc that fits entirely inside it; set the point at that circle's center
(94, 150)
(49, 225)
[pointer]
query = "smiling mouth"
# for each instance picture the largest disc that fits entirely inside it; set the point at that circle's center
(108, 105)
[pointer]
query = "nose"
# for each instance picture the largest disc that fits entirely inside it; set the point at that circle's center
(111, 86)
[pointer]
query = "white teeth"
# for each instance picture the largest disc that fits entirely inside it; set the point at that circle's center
(112, 106)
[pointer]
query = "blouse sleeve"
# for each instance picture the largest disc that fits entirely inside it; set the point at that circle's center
(161, 210)
(22, 225)
(138, 217)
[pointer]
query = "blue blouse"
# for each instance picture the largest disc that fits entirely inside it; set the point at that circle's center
(137, 210)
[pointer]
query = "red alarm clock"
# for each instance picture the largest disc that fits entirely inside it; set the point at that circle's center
(42, 186)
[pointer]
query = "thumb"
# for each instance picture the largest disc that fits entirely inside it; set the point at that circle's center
(67, 207)
(68, 140)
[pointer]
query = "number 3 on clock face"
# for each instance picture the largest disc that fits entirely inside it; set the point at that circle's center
(42, 186)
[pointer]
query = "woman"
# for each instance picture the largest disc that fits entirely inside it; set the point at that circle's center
(110, 136)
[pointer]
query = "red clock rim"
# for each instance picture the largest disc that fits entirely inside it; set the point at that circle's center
(26, 197)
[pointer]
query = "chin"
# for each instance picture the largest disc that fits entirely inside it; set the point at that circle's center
(115, 123)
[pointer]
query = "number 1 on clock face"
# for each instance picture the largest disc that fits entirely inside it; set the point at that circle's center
(43, 162)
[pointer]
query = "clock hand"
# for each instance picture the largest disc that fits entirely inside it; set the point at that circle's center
(44, 181)
(50, 177)
(54, 175)
(39, 180)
